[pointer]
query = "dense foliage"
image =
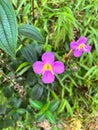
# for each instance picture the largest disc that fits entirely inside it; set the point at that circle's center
(27, 30)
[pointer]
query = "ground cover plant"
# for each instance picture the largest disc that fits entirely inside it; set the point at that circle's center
(48, 64)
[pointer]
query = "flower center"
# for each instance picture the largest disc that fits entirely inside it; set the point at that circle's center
(81, 46)
(46, 67)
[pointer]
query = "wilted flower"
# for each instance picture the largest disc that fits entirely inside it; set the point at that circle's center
(80, 46)
(48, 67)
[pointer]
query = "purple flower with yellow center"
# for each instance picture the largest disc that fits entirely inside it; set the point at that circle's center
(48, 67)
(80, 46)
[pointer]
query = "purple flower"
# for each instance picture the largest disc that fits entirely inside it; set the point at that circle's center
(80, 46)
(48, 67)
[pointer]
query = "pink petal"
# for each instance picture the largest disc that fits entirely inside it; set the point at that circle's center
(48, 57)
(58, 67)
(73, 45)
(87, 48)
(37, 67)
(48, 77)
(77, 53)
(82, 39)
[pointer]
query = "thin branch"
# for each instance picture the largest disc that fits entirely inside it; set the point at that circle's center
(33, 9)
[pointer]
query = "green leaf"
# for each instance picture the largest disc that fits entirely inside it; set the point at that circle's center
(36, 91)
(73, 81)
(54, 105)
(83, 66)
(14, 2)
(23, 70)
(82, 97)
(44, 108)
(15, 116)
(41, 118)
(65, 103)
(22, 66)
(62, 106)
(30, 32)
(2, 109)
(95, 72)
(68, 107)
(7, 91)
(90, 71)
(55, 96)
(50, 117)
(14, 102)
(7, 122)
(35, 104)
(8, 28)
(30, 52)
(21, 111)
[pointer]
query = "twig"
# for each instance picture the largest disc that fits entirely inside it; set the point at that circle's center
(69, 54)
(33, 9)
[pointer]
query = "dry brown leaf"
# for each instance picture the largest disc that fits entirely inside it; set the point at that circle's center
(45, 125)
(66, 126)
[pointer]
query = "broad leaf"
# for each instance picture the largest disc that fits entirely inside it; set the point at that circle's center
(8, 28)
(36, 92)
(31, 52)
(35, 104)
(30, 32)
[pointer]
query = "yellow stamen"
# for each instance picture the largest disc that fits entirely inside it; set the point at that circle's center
(81, 46)
(46, 67)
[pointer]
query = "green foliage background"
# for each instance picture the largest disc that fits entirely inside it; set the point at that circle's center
(50, 26)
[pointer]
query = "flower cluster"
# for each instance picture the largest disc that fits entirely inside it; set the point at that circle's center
(48, 67)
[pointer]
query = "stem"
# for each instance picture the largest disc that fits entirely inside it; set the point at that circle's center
(48, 98)
(33, 10)
(54, 94)
(69, 54)
(9, 79)
(3, 64)
(60, 82)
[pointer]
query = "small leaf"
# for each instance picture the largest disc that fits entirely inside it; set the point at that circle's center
(41, 118)
(15, 102)
(14, 3)
(2, 109)
(7, 122)
(8, 28)
(22, 66)
(30, 32)
(62, 106)
(54, 105)
(7, 91)
(90, 71)
(15, 117)
(50, 117)
(23, 70)
(21, 111)
(68, 107)
(35, 104)
(36, 91)
(73, 81)
(44, 108)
